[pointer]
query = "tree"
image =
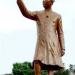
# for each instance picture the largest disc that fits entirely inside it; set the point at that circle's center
(26, 69)
(7, 74)
(71, 67)
(22, 69)
(62, 72)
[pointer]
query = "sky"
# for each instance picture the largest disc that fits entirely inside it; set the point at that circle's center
(18, 35)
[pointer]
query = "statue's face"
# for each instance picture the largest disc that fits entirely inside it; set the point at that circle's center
(47, 4)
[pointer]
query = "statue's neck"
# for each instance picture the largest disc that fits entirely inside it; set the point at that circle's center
(48, 9)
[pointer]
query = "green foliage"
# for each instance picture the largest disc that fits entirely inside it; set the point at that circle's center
(22, 69)
(74, 70)
(62, 72)
(71, 67)
(44, 72)
(7, 74)
(26, 69)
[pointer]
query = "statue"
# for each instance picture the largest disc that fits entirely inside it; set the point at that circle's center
(50, 43)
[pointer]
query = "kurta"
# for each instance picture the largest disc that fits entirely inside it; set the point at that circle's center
(49, 38)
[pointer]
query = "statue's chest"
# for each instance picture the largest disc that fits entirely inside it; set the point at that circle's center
(47, 18)
(47, 21)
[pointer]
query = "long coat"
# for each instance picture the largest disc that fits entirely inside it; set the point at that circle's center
(50, 38)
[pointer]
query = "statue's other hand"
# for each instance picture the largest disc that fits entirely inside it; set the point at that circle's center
(62, 52)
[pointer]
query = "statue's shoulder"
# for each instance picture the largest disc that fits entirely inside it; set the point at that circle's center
(40, 12)
(56, 14)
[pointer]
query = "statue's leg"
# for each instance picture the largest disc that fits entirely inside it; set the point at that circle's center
(50, 72)
(37, 68)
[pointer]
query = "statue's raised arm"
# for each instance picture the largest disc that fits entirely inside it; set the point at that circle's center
(25, 12)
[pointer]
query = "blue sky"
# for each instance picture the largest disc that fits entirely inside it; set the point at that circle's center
(18, 34)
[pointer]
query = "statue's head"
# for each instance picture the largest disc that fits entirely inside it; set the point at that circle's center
(48, 3)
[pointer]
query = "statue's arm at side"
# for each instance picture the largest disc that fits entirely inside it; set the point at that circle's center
(61, 35)
(25, 12)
